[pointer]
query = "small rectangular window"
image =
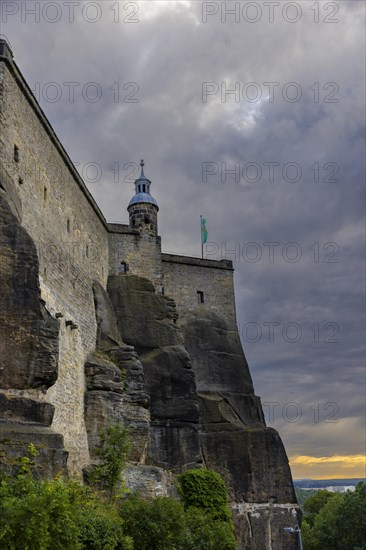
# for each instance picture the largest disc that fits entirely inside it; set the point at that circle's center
(45, 194)
(201, 297)
(123, 267)
(16, 153)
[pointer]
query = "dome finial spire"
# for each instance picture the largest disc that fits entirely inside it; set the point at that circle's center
(142, 189)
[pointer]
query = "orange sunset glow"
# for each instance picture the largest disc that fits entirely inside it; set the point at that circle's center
(328, 467)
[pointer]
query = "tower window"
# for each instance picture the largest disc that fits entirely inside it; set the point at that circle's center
(45, 194)
(68, 226)
(16, 153)
(146, 220)
(201, 297)
(144, 188)
(123, 267)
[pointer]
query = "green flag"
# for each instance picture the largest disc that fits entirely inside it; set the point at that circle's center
(204, 232)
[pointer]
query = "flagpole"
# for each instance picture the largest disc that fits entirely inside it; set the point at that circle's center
(201, 237)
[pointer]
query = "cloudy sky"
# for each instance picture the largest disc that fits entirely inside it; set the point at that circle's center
(254, 119)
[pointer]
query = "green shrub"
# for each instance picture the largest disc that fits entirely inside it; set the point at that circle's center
(38, 515)
(163, 524)
(156, 524)
(205, 489)
(59, 515)
(204, 533)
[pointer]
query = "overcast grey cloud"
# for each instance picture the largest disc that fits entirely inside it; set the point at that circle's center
(298, 152)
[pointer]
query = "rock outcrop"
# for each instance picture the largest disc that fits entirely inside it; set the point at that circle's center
(29, 334)
(116, 392)
(28, 353)
(147, 321)
(233, 436)
(115, 384)
(204, 411)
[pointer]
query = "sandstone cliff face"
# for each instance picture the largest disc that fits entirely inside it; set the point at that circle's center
(115, 384)
(234, 438)
(147, 321)
(28, 352)
(29, 342)
(202, 407)
(116, 392)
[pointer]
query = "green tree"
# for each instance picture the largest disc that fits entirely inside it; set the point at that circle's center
(340, 523)
(314, 504)
(113, 451)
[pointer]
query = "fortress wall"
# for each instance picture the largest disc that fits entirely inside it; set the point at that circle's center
(142, 253)
(184, 276)
(71, 237)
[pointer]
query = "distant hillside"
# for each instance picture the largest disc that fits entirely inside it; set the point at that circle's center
(323, 483)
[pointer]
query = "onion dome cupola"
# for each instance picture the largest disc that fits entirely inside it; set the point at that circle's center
(143, 208)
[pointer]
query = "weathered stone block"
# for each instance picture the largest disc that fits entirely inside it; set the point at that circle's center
(25, 410)
(14, 441)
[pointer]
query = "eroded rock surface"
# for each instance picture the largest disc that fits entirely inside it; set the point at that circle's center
(234, 438)
(115, 384)
(147, 321)
(28, 353)
(29, 334)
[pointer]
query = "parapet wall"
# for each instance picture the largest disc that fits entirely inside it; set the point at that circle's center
(186, 278)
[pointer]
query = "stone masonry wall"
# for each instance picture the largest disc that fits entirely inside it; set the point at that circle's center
(71, 237)
(141, 252)
(183, 277)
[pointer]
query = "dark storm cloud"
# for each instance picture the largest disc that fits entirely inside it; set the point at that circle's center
(169, 54)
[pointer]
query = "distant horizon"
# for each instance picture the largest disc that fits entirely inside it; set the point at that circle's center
(329, 479)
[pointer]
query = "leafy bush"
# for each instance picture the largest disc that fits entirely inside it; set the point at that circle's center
(208, 517)
(156, 524)
(60, 515)
(204, 533)
(205, 489)
(163, 524)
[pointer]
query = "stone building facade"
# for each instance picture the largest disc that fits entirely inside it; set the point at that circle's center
(187, 394)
